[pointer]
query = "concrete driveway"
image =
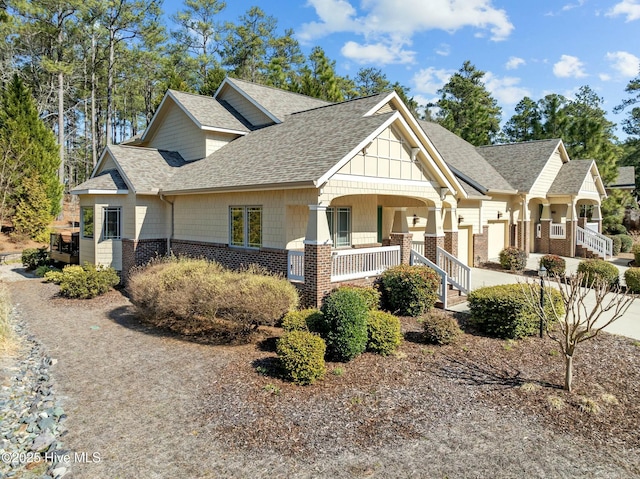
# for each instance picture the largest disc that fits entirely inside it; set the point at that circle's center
(628, 325)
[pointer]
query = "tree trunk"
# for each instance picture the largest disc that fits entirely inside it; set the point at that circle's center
(94, 128)
(568, 372)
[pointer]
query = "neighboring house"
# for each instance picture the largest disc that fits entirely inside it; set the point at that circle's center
(324, 193)
(626, 180)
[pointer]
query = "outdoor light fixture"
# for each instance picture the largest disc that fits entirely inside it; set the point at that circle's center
(415, 219)
(499, 214)
(542, 272)
(460, 219)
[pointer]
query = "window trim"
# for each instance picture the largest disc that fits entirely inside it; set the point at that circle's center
(82, 221)
(246, 209)
(105, 213)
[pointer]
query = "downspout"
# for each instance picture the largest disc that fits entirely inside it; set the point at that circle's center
(523, 236)
(170, 237)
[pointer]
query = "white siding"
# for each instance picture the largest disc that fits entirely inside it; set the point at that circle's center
(247, 109)
(547, 176)
(215, 141)
(177, 132)
(151, 218)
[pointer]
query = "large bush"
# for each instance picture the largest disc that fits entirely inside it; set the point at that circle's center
(87, 281)
(440, 328)
(301, 355)
(513, 258)
(505, 311)
(384, 332)
(185, 289)
(345, 316)
(409, 290)
(598, 270)
(626, 242)
(303, 320)
(616, 243)
(635, 249)
(370, 295)
(554, 264)
(632, 278)
(32, 258)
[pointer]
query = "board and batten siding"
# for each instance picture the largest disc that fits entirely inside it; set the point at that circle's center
(547, 176)
(178, 132)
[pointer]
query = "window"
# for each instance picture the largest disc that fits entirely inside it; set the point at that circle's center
(111, 228)
(339, 219)
(246, 226)
(87, 222)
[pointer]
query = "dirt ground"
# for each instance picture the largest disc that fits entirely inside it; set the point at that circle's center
(154, 405)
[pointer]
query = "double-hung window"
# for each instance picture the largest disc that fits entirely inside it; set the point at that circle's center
(86, 219)
(339, 219)
(245, 226)
(111, 228)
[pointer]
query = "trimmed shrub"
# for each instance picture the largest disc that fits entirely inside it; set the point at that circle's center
(597, 270)
(370, 295)
(345, 315)
(32, 258)
(513, 258)
(42, 270)
(409, 290)
(626, 242)
(440, 328)
(299, 320)
(632, 278)
(87, 281)
(384, 332)
(635, 249)
(301, 355)
(616, 229)
(53, 276)
(617, 244)
(555, 265)
(504, 311)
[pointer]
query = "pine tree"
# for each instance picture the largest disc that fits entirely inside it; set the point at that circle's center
(319, 78)
(526, 123)
(33, 211)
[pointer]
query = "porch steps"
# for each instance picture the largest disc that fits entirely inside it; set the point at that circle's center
(454, 296)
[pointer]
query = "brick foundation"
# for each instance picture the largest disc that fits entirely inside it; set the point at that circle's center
(138, 252)
(481, 247)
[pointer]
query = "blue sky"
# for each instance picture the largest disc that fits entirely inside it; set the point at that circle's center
(526, 48)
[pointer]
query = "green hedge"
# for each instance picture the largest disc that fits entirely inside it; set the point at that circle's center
(504, 311)
(596, 270)
(635, 249)
(384, 332)
(617, 244)
(301, 355)
(344, 315)
(626, 242)
(632, 278)
(300, 320)
(409, 290)
(513, 258)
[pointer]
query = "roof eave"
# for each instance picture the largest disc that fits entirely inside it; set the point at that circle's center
(90, 191)
(231, 189)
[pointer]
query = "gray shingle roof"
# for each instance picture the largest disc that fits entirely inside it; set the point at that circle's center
(300, 150)
(279, 103)
(107, 180)
(463, 158)
(520, 163)
(626, 177)
(146, 168)
(570, 177)
(208, 111)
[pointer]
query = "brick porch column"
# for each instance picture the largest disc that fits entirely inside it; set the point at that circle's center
(451, 242)
(404, 241)
(431, 243)
(545, 237)
(481, 246)
(524, 235)
(317, 258)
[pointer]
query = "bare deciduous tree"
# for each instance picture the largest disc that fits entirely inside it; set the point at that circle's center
(587, 311)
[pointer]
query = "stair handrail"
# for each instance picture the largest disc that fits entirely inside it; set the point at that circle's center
(417, 259)
(595, 241)
(458, 273)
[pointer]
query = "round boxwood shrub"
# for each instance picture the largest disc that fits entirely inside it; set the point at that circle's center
(440, 328)
(370, 295)
(297, 320)
(626, 242)
(597, 270)
(555, 265)
(513, 258)
(384, 332)
(344, 313)
(301, 355)
(87, 281)
(617, 244)
(505, 311)
(632, 278)
(616, 229)
(409, 290)
(635, 249)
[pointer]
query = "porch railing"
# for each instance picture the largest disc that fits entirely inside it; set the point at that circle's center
(362, 263)
(418, 246)
(558, 231)
(295, 266)
(596, 242)
(593, 226)
(458, 273)
(417, 259)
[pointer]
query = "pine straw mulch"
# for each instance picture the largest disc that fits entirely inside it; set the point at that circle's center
(374, 401)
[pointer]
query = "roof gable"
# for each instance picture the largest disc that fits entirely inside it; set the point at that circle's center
(106, 182)
(578, 177)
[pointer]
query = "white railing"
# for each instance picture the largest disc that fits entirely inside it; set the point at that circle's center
(558, 231)
(593, 226)
(596, 242)
(458, 273)
(417, 259)
(295, 266)
(538, 230)
(418, 246)
(362, 263)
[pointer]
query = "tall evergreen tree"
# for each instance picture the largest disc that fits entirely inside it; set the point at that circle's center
(319, 78)
(526, 123)
(467, 108)
(554, 118)
(631, 124)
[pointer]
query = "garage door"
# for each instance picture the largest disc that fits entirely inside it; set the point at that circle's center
(463, 245)
(496, 239)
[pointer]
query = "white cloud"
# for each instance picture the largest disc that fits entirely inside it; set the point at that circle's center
(506, 90)
(604, 77)
(624, 63)
(335, 16)
(377, 53)
(569, 67)
(571, 6)
(514, 63)
(430, 80)
(629, 8)
(443, 50)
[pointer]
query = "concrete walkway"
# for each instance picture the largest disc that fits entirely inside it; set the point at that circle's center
(628, 325)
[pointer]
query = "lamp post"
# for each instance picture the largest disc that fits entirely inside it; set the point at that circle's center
(542, 272)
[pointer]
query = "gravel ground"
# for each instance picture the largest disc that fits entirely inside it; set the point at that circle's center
(141, 403)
